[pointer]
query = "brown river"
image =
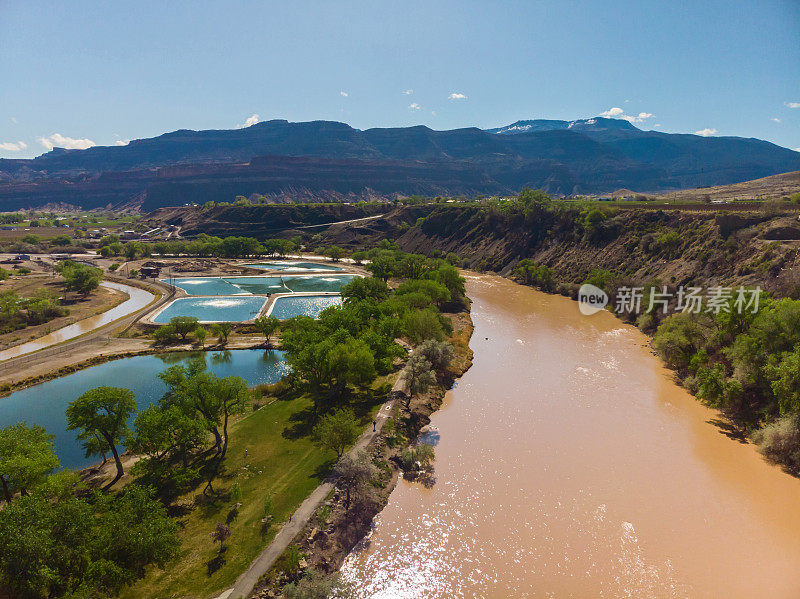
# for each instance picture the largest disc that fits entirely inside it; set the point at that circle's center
(569, 464)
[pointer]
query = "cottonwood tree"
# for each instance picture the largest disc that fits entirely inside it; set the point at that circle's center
(104, 411)
(365, 288)
(222, 330)
(164, 432)
(183, 325)
(200, 334)
(267, 325)
(419, 376)
(337, 431)
(26, 458)
(214, 399)
(355, 471)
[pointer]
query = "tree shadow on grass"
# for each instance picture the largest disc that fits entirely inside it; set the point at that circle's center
(303, 422)
(322, 471)
(216, 562)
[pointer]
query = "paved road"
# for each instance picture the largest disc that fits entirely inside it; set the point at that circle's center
(246, 582)
(340, 222)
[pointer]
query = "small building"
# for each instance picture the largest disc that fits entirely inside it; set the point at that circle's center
(149, 272)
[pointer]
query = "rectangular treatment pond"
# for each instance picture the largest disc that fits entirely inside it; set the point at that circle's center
(262, 285)
(205, 286)
(317, 283)
(303, 305)
(213, 309)
(293, 266)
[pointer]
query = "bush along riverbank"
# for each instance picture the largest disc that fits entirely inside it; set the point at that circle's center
(367, 477)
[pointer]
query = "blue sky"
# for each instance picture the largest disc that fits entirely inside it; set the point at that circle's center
(78, 73)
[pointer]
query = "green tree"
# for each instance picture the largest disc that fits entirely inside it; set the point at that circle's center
(337, 431)
(786, 382)
(26, 458)
(131, 250)
(437, 292)
(383, 266)
(161, 432)
(104, 411)
(365, 288)
(61, 240)
(80, 278)
(335, 253)
(183, 325)
(222, 330)
(420, 325)
(200, 334)
(31, 238)
(267, 325)
(678, 339)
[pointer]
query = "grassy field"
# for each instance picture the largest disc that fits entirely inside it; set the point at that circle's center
(271, 454)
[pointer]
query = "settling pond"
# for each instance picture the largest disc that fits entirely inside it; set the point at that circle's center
(303, 305)
(293, 266)
(260, 285)
(46, 404)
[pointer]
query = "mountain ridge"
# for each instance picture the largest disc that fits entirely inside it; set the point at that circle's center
(584, 156)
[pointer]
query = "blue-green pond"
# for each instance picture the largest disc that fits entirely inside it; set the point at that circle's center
(46, 403)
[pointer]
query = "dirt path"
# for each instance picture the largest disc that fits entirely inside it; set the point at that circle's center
(246, 582)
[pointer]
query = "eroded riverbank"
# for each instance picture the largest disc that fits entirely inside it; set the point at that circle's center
(570, 464)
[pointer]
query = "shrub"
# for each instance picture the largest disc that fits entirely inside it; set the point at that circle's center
(779, 441)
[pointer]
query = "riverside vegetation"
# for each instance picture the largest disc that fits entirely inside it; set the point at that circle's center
(745, 363)
(216, 462)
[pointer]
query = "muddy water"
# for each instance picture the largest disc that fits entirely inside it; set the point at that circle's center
(569, 465)
(137, 299)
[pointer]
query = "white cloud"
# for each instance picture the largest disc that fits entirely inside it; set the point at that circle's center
(657, 125)
(792, 104)
(613, 112)
(343, 94)
(617, 113)
(797, 149)
(56, 140)
(456, 96)
(14, 120)
(775, 120)
(10, 146)
(433, 112)
(122, 142)
(408, 92)
(707, 132)
(414, 106)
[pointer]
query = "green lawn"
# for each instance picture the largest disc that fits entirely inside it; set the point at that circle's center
(270, 454)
